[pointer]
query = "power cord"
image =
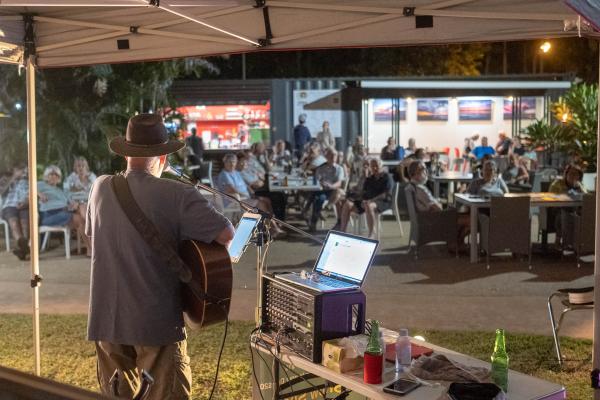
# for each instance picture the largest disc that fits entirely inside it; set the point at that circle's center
(252, 360)
(224, 309)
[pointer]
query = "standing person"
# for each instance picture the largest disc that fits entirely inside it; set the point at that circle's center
(504, 144)
(325, 137)
(388, 152)
(15, 209)
(136, 317)
(301, 135)
(196, 145)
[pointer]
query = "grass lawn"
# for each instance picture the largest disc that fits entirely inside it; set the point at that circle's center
(69, 358)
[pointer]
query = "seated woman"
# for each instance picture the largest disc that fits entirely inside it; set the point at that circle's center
(388, 152)
(571, 182)
(231, 182)
(55, 207)
(251, 178)
(516, 173)
(313, 158)
(375, 197)
(490, 184)
(78, 184)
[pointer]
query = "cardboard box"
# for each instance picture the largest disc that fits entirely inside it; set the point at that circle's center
(334, 357)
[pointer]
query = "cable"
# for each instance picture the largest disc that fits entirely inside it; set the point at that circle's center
(220, 351)
(277, 347)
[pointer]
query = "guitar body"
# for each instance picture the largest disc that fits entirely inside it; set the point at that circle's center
(210, 265)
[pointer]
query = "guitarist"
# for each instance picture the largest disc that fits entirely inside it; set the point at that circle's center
(135, 316)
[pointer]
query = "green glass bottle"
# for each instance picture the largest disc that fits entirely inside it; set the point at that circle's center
(500, 361)
(374, 346)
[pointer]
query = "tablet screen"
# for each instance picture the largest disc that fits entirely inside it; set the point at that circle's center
(243, 233)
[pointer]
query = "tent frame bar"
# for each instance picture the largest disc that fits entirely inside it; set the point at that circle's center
(199, 21)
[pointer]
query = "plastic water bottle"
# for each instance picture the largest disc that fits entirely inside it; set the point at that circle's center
(403, 350)
(500, 361)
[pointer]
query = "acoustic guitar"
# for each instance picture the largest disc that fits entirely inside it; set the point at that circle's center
(210, 265)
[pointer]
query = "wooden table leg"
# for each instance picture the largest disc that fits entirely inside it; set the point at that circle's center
(474, 244)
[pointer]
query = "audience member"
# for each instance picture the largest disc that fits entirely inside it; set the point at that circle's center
(330, 176)
(231, 182)
(281, 156)
(518, 148)
(325, 137)
(469, 145)
(504, 144)
(15, 209)
(479, 151)
(388, 152)
(571, 182)
(55, 207)
(374, 197)
(516, 172)
(490, 184)
(250, 177)
(78, 184)
(196, 145)
(411, 148)
(401, 171)
(301, 135)
(313, 158)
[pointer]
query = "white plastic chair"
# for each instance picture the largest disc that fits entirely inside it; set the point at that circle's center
(6, 233)
(47, 230)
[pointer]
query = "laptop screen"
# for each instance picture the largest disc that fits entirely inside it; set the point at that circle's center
(243, 233)
(346, 257)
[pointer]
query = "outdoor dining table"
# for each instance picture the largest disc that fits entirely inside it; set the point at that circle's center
(294, 183)
(541, 200)
(450, 177)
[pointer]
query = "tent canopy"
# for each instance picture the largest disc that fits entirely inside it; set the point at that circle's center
(65, 33)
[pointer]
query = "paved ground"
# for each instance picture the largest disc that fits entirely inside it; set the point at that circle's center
(438, 291)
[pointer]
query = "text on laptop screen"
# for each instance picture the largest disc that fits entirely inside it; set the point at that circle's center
(243, 233)
(346, 257)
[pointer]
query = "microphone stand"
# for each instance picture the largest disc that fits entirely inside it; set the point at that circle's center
(262, 237)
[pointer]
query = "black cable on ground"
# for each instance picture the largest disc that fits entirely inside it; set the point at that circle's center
(220, 352)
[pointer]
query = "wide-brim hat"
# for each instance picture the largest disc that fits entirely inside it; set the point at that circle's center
(146, 136)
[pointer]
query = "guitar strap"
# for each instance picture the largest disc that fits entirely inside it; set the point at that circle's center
(153, 237)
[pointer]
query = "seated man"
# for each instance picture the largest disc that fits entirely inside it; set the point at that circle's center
(15, 209)
(480, 151)
(424, 200)
(490, 184)
(231, 182)
(330, 176)
(374, 197)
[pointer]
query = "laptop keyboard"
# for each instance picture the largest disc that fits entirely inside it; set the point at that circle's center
(332, 282)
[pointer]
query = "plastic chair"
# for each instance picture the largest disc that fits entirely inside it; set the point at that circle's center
(6, 233)
(430, 226)
(47, 230)
(563, 295)
(508, 227)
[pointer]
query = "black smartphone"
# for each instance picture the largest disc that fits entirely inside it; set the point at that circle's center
(401, 387)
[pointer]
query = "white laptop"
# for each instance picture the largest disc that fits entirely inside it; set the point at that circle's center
(342, 264)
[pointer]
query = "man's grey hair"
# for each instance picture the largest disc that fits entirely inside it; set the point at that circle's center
(229, 157)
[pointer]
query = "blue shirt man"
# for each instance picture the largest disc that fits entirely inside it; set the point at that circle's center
(484, 149)
(301, 134)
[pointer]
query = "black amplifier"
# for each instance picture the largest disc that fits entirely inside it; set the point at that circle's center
(300, 319)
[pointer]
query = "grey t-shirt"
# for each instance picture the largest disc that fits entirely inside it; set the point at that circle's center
(134, 296)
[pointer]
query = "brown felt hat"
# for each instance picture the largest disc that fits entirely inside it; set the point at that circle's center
(146, 136)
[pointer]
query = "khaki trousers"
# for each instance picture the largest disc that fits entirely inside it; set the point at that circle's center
(169, 366)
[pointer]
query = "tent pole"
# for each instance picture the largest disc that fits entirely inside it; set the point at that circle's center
(33, 210)
(596, 348)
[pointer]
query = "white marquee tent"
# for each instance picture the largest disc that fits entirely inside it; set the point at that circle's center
(60, 33)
